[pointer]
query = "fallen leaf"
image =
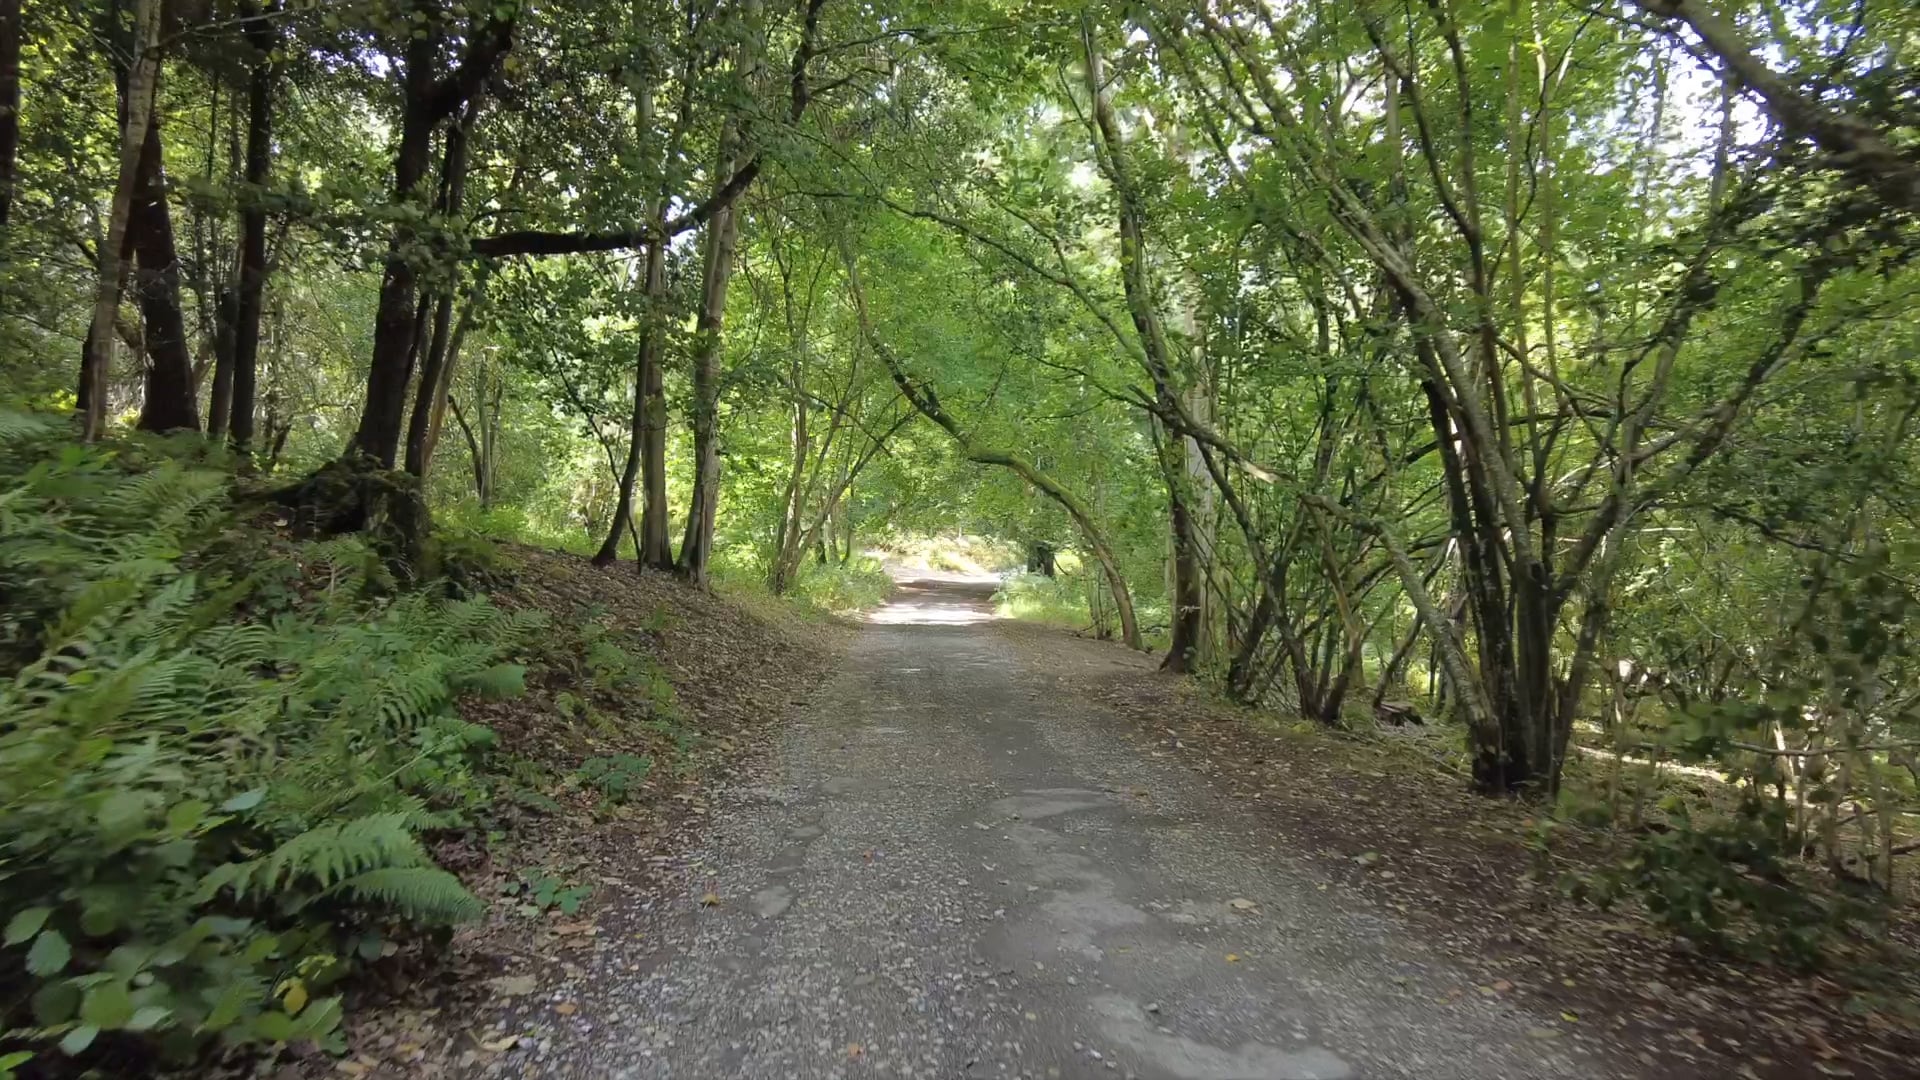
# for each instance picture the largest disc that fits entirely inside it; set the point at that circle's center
(504, 1042)
(1569, 1016)
(514, 985)
(566, 1008)
(711, 899)
(1233, 958)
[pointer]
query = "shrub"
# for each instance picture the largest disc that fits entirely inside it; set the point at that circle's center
(855, 585)
(217, 752)
(1057, 601)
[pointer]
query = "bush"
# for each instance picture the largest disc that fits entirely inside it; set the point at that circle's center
(1056, 601)
(1726, 882)
(217, 752)
(855, 585)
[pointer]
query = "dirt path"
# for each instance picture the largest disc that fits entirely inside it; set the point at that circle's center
(944, 867)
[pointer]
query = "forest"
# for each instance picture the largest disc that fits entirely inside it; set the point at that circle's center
(1540, 373)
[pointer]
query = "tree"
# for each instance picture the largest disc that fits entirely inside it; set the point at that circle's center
(429, 97)
(142, 74)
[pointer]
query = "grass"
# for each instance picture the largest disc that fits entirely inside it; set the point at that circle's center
(1053, 601)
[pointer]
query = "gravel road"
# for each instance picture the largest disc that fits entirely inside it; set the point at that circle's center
(946, 867)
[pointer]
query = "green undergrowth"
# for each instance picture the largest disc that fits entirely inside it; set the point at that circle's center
(223, 754)
(855, 585)
(958, 553)
(1074, 600)
(1055, 601)
(515, 525)
(821, 590)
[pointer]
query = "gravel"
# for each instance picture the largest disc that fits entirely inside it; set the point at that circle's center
(944, 868)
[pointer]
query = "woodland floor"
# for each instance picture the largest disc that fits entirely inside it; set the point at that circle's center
(946, 846)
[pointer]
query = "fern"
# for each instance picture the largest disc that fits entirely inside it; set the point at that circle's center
(375, 859)
(325, 855)
(422, 893)
(196, 793)
(17, 426)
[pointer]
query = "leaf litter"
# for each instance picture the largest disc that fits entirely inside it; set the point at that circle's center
(734, 666)
(1461, 878)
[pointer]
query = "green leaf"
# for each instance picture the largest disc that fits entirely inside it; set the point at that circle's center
(99, 921)
(107, 1006)
(273, 1026)
(148, 1017)
(79, 1039)
(26, 923)
(244, 801)
(55, 1003)
(49, 954)
(260, 948)
(184, 817)
(129, 959)
(230, 1005)
(123, 811)
(319, 1018)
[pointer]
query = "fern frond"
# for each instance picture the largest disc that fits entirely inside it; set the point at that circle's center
(421, 893)
(327, 855)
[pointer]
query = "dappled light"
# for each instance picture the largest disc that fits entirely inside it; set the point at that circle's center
(923, 598)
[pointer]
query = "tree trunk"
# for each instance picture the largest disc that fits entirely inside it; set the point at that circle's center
(142, 75)
(220, 398)
(1136, 278)
(476, 454)
(1184, 599)
(490, 438)
(426, 101)
(723, 234)
(786, 549)
(636, 440)
(453, 179)
(169, 401)
(449, 363)
(251, 269)
(378, 437)
(623, 501)
(9, 103)
(696, 547)
(656, 548)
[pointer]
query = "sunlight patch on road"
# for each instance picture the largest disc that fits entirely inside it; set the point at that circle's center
(930, 613)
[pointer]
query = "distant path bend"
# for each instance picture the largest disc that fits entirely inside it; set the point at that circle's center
(947, 868)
